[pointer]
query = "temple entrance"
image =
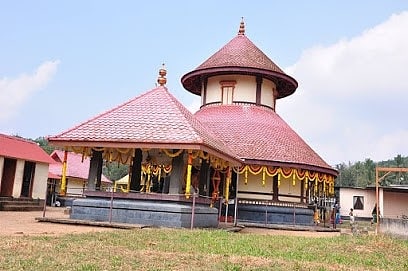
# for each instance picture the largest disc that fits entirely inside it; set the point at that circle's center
(7, 180)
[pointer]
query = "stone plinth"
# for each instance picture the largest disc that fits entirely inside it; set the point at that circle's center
(166, 212)
(270, 214)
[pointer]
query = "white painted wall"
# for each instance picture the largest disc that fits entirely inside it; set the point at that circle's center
(395, 204)
(244, 91)
(39, 185)
(346, 201)
(1, 168)
(267, 93)
(75, 186)
(287, 187)
(18, 178)
(255, 185)
(245, 88)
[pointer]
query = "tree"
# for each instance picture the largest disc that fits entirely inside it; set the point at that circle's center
(114, 170)
(43, 143)
(362, 174)
(369, 166)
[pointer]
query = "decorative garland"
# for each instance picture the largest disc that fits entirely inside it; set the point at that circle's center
(172, 155)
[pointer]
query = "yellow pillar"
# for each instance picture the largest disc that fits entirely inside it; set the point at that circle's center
(227, 184)
(263, 175)
(63, 190)
(188, 180)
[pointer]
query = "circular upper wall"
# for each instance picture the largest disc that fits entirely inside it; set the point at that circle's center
(240, 56)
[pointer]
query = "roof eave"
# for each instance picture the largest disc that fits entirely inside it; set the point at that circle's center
(286, 84)
(235, 161)
(327, 170)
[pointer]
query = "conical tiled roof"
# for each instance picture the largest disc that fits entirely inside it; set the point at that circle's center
(240, 56)
(258, 135)
(155, 119)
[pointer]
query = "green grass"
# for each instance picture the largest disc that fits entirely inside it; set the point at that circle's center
(172, 249)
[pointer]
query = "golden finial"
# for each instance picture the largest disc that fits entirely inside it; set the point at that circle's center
(241, 31)
(162, 76)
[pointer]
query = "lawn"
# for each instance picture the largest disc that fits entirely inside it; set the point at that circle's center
(176, 249)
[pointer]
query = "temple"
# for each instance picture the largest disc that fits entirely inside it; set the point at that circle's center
(234, 158)
(239, 88)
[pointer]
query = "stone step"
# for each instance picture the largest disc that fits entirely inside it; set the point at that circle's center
(21, 208)
(18, 199)
(19, 202)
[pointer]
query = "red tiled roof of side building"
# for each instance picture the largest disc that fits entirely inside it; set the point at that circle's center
(155, 118)
(259, 135)
(20, 148)
(76, 166)
(240, 56)
(53, 176)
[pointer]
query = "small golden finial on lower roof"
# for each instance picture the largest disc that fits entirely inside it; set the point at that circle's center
(241, 31)
(162, 80)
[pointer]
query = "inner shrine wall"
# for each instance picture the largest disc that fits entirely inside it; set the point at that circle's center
(254, 184)
(289, 188)
(255, 189)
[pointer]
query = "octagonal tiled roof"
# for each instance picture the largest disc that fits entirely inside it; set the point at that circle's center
(259, 135)
(155, 119)
(240, 56)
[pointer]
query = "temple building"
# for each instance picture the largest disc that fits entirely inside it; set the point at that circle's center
(235, 157)
(239, 88)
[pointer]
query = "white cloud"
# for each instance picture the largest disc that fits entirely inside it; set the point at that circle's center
(352, 99)
(14, 92)
(194, 104)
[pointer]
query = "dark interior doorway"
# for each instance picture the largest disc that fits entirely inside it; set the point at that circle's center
(7, 180)
(28, 178)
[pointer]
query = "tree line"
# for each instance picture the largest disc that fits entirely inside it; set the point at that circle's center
(362, 174)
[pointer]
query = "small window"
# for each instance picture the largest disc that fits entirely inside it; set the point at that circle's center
(358, 203)
(227, 91)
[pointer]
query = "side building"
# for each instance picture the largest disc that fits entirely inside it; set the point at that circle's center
(24, 172)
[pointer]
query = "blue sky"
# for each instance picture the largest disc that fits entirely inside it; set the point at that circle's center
(63, 62)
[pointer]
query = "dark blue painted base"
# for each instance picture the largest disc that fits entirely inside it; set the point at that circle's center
(144, 212)
(273, 214)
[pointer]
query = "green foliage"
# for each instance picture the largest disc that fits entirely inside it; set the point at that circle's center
(43, 143)
(114, 171)
(362, 174)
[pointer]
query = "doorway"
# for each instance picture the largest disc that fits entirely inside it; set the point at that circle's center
(7, 180)
(28, 178)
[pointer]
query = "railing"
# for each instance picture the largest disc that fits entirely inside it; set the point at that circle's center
(273, 203)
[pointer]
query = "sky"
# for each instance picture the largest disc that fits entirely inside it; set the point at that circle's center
(64, 62)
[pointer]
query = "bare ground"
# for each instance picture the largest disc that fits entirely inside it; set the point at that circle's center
(25, 223)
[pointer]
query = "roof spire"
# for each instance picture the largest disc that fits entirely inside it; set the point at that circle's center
(162, 80)
(241, 31)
